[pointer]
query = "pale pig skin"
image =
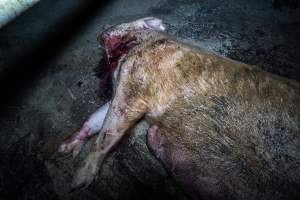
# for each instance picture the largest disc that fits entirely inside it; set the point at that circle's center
(224, 129)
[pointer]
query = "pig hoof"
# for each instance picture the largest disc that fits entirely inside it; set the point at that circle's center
(76, 141)
(73, 146)
(85, 175)
(82, 179)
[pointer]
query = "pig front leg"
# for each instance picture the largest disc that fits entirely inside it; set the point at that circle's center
(126, 108)
(90, 127)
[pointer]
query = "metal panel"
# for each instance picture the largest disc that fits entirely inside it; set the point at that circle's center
(9, 9)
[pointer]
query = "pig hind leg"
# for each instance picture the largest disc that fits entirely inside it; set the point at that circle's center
(181, 162)
(90, 127)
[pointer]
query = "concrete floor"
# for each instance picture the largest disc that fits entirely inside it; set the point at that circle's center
(49, 61)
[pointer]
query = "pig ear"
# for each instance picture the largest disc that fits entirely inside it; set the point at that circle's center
(154, 23)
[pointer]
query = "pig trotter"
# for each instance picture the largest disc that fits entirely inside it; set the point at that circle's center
(89, 128)
(73, 145)
(86, 174)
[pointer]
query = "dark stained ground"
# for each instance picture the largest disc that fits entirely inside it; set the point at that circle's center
(49, 58)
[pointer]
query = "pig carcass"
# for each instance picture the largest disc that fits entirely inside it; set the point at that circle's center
(228, 130)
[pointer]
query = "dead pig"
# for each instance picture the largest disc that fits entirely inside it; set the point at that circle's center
(227, 130)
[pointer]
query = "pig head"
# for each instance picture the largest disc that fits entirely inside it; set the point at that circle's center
(117, 41)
